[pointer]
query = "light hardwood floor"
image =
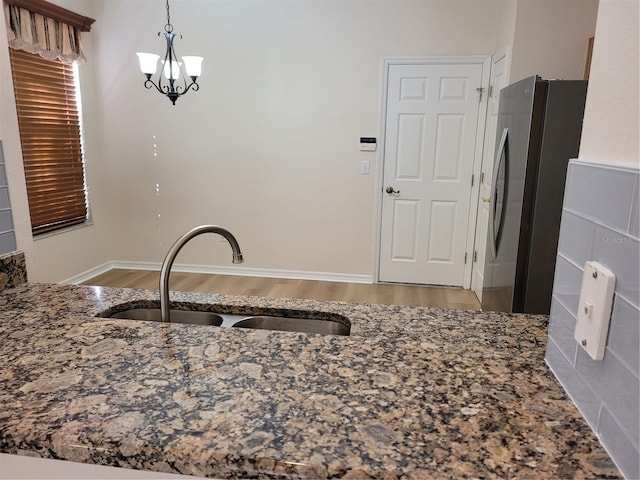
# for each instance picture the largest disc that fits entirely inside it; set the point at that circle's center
(391, 294)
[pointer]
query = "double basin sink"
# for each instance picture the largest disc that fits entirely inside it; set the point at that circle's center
(294, 321)
(265, 319)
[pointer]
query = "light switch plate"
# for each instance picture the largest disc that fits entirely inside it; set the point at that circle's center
(594, 309)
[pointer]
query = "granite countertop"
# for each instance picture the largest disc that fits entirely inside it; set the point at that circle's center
(413, 392)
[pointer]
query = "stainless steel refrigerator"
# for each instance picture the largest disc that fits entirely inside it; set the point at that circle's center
(539, 128)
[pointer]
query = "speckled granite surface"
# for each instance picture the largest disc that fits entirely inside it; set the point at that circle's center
(13, 270)
(413, 392)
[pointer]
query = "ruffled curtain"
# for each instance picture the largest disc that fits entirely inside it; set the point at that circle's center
(49, 38)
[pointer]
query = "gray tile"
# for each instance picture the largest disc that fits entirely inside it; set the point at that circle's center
(576, 237)
(634, 221)
(621, 449)
(3, 176)
(618, 388)
(7, 243)
(582, 396)
(621, 254)
(601, 192)
(4, 198)
(6, 222)
(567, 283)
(624, 334)
(561, 327)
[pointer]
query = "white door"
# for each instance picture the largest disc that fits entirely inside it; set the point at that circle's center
(431, 141)
(498, 80)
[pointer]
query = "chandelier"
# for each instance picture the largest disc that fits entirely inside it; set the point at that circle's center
(168, 81)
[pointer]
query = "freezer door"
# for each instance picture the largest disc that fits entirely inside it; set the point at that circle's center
(521, 106)
(542, 207)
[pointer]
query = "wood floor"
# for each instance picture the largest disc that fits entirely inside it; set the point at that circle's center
(390, 294)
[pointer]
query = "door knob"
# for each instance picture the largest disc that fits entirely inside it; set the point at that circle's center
(486, 199)
(391, 191)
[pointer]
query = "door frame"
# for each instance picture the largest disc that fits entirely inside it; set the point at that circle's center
(485, 61)
(488, 160)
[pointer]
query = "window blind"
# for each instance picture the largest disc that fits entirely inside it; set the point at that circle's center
(49, 126)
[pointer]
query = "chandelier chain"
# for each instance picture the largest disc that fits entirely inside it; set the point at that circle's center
(168, 27)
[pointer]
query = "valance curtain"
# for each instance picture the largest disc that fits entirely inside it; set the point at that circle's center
(47, 37)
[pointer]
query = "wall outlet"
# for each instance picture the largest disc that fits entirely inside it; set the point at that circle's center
(594, 309)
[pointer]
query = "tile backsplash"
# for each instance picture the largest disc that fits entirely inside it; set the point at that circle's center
(7, 233)
(600, 221)
(13, 270)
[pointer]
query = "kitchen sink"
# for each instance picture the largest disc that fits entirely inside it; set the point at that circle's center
(286, 324)
(336, 325)
(255, 318)
(195, 317)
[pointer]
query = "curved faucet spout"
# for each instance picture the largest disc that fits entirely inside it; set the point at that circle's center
(173, 252)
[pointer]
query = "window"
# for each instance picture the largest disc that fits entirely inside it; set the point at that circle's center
(49, 123)
(44, 47)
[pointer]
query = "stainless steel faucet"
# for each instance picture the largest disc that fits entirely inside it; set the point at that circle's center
(173, 252)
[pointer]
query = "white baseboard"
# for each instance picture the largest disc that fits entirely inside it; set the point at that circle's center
(218, 270)
(87, 274)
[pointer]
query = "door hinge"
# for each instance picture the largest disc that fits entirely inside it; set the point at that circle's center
(480, 91)
(490, 91)
(481, 177)
(472, 178)
(475, 255)
(465, 258)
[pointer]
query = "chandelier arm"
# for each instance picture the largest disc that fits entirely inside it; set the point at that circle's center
(163, 89)
(168, 61)
(193, 85)
(151, 84)
(184, 87)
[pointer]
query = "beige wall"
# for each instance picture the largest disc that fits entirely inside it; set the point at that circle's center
(611, 128)
(505, 31)
(551, 38)
(268, 147)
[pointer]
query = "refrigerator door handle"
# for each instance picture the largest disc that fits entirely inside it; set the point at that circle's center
(498, 203)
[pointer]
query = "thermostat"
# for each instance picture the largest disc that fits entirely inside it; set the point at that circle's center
(368, 144)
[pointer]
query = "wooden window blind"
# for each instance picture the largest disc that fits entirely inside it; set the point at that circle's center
(49, 124)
